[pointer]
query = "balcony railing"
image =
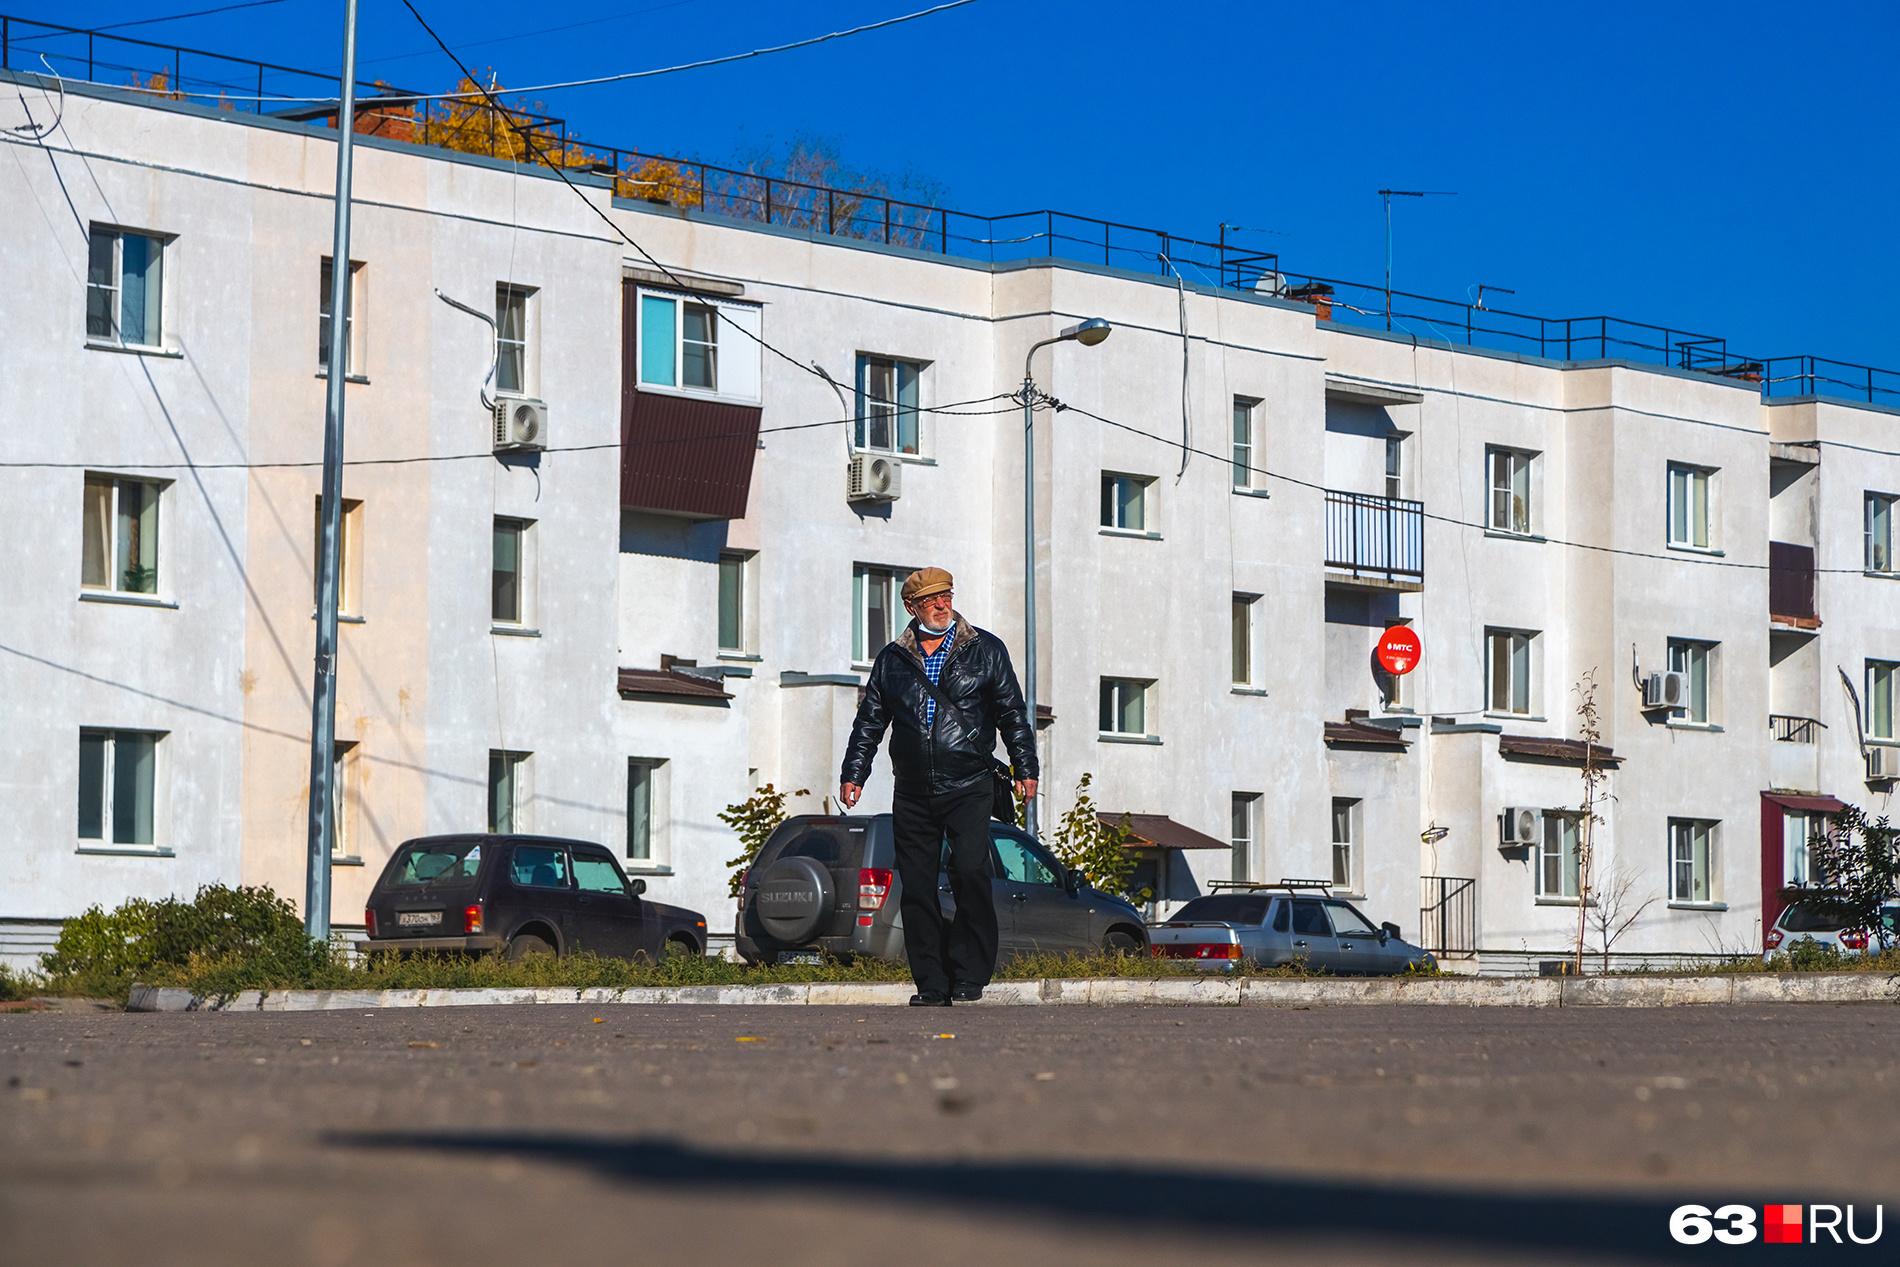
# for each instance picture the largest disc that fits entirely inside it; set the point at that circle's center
(1376, 538)
(1791, 584)
(1790, 729)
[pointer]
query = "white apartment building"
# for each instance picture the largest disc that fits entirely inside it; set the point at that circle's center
(682, 599)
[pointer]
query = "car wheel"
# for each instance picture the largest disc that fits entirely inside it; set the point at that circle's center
(527, 946)
(680, 948)
(1120, 943)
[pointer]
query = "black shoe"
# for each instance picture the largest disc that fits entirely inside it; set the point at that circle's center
(930, 998)
(966, 993)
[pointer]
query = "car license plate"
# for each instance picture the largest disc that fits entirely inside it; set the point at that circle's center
(419, 919)
(800, 956)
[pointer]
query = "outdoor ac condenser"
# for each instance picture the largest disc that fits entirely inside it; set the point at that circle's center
(1883, 763)
(874, 478)
(1519, 827)
(1666, 690)
(520, 423)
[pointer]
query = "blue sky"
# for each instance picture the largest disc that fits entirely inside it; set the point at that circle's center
(1726, 168)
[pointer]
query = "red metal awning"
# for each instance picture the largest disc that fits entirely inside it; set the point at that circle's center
(1158, 831)
(1812, 804)
(669, 683)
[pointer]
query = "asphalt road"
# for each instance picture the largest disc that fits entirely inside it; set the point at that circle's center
(1045, 1135)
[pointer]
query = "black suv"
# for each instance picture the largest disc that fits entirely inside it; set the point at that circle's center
(829, 885)
(522, 895)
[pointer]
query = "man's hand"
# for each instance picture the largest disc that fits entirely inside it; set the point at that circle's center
(848, 793)
(1025, 789)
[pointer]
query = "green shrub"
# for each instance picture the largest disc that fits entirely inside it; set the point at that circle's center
(15, 985)
(105, 952)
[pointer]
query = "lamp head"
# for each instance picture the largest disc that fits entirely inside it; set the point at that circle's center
(1089, 333)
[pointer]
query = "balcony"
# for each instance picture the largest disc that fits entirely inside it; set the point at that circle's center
(1791, 587)
(1374, 542)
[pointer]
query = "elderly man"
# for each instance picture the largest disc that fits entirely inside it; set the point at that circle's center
(949, 688)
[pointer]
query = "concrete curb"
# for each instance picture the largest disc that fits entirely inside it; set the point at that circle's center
(1845, 987)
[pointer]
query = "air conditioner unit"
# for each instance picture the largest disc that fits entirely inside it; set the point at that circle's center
(520, 423)
(874, 478)
(1519, 827)
(1666, 690)
(1883, 763)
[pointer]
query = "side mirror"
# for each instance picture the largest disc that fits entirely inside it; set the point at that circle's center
(1388, 929)
(639, 886)
(1072, 882)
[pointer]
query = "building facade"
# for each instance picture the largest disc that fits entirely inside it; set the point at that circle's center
(1237, 494)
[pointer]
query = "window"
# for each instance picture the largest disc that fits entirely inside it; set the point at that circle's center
(733, 632)
(1689, 506)
(1693, 661)
(510, 579)
(1799, 830)
(352, 323)
(1348, 922)
(1345, 834)
(1125, 501)
(119, 535)
(1125, 706)
(887, 404)
(124, 288)
(1880, 678)
(596, 873)
(1244, 410)
(512, 368)
(1243, 635)
(699, 345)
(342, 779)
(1022, 862)
(1245, 830)
(118, 786)
(508, 792)
(1510, 476)
(1879, 532)
(876, 611)
(1508, 652)
(1309, 919)
(645, 830)
(1691, 860)
(348, 556)
(1394, 466)
(1558, 872)
(539, 867)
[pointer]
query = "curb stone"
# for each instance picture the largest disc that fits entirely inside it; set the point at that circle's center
(1211, 991)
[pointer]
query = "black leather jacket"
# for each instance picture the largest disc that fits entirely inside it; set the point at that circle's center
(978, 678)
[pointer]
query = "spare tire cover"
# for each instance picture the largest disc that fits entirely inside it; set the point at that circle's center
(793, 898)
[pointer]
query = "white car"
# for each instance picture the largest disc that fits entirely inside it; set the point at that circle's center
(1808, 920)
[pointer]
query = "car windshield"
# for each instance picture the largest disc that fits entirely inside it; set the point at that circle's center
(1223, 908)
(1348, 922)
(436, 862)
(1810, 917)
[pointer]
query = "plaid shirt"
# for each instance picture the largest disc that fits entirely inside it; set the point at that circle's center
(933, 669)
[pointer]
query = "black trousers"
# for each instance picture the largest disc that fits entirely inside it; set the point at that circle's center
(961, 951)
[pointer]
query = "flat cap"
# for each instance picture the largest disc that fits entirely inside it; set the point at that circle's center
(926, 581)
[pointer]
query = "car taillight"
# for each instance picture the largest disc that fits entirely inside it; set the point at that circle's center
(369, 920)
(1773, 940)
(1198, 950)
(472, 919)
(874, 885)
(1854, 940)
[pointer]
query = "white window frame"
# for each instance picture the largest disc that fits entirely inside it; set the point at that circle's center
(1877, 541)
(507, 295)
(1353, 822)
(1880, 678)
(1246, 441)
(896, 412)
(742, 564)
(888, 582)
(525, 569)
(1244, 636)
(354, 350)
(1686, 837)
(1243, 825)
(656, 774)
(1510, 482)
(343, 800)
(1115, 505)
(1693, 657)
(109, 541)
(1113, 699)
(517, 772)
(736, 358)
(1511, 638)
(1395, 465)
(116, 287)
(349, 556)
(1688, 476)
(1561, 843)
(1798, 831)
(112, 736)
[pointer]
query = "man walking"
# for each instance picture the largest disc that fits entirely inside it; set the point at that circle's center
(948, 688)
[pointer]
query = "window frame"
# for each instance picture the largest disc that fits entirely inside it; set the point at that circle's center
(109, 541)
(516, 769)
(654, 787)
(741, 564)
(745, 343)
(508, 293)
(1113, 702)
(1114, 507)
(525, 613)
(1874, 669)
(1245, 442)
(1243, 828)
(349, 558)
(1704, 832)
(1697, 656)
(1566, 829)
(1244, 636)
(1889, 504)
(1395, 465)
(155, 309)
(355, 351)
(107, 792)
(1518, 464)
(898, 413)
(343, 767)
(890, 580)
(1492, 635)
(1807, 873)
(1355, 828)
(1691, 474)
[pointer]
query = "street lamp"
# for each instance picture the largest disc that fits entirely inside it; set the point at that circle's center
(1088, 334)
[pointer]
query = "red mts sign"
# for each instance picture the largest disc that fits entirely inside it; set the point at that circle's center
(1399, 649)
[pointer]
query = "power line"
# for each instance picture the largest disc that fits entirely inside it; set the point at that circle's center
(169, 17)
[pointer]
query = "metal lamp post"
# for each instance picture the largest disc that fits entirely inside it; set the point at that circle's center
(1088, 334)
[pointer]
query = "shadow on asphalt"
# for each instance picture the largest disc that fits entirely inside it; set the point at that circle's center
(1152, 1198)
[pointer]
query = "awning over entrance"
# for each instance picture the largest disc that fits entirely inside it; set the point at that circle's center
(1812, 804)
(1158, 831)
